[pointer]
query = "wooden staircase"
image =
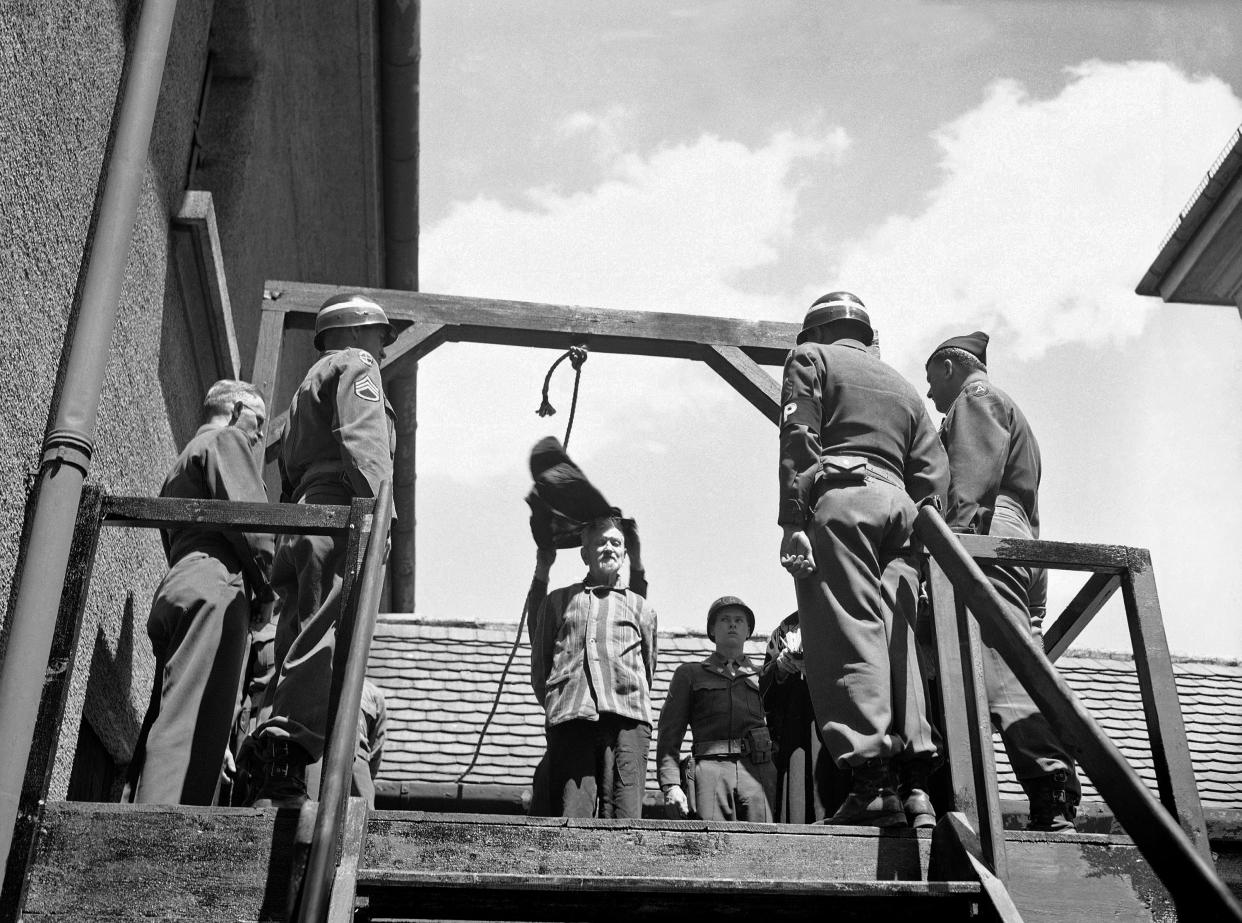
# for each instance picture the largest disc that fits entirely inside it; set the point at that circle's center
(99, 862)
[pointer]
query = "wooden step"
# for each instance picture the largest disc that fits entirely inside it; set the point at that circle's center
(415, 896)
(119, 862)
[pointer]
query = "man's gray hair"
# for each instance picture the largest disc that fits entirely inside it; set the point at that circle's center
(599, 525)
(226, 392)
(969, 361)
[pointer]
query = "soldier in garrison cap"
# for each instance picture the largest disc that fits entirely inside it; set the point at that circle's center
(200, 618)
(338, 444)
(734, 775)
(858, 453)
(994, 468)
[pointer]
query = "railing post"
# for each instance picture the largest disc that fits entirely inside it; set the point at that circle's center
(971, 761)
(1170, 752)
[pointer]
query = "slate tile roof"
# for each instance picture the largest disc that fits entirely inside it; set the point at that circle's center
(440, 680)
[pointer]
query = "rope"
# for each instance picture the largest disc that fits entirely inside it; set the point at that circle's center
(576, 355)
(500, 688)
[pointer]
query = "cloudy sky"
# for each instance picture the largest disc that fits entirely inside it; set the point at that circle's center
(1007, 166)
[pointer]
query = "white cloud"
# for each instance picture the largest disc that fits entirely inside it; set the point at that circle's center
(1048, 212)
(663, 231)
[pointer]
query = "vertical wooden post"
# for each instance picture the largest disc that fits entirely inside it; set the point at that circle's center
(1170, 752)
(403, 393)
(51, 715)
(267, 351)
(967, 725)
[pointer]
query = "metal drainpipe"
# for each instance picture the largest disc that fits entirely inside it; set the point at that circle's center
(68, 447)
(399, 76)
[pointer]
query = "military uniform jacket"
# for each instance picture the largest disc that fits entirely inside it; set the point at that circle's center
(992, 452)
(716, 706)
(341, 429)
(220, 464)
(837, 399)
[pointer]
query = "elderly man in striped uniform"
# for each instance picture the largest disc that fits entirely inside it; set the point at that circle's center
(593, 657)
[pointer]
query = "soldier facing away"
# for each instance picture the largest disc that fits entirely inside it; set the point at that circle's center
(200, 618)
(338, 444)
(858, 452)
(994, 466)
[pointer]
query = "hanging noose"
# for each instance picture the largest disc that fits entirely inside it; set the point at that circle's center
(576, 355)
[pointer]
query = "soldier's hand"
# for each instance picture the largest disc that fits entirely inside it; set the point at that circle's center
(789, 663)
(229, 770)
(676, 805)
(796, 554)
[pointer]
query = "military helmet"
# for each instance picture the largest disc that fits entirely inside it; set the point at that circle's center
(839, 306)
(724, 602)
(350, 311)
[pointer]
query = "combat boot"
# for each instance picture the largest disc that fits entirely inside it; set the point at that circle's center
(281, 769)
(872, 801)
(1054, 801)
(912, 789)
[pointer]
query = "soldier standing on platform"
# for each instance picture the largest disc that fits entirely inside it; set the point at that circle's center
(338, 444)
(201, 615)
(994, 466)
(858, 452)
(734, 774)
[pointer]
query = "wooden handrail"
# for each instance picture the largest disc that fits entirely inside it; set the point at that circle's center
(224, 515)
(1194, 885)
(343, 735)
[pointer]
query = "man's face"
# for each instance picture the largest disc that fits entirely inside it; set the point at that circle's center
(603, 550)
(941, 384)
(249, 416)
(731, 630)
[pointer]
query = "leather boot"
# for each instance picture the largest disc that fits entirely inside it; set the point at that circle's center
(913, 775)
(872, 801)
(1054, 801)
(281, 769)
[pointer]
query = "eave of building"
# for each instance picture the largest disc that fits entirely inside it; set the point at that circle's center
(1201, 259)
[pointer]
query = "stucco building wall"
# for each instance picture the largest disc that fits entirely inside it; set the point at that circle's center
(295, 195)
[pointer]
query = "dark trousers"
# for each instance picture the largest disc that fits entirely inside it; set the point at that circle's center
(1033, 747)
(857, 617)
(199, 624)
(307, 576)
(604, 760)
(734, 788)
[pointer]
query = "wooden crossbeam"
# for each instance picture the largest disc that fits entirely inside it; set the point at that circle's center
(747, 378)
(523, 323)
(1097, 591)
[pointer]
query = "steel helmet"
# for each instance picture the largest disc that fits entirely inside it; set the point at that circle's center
(724, 602)
(839, 306)
(350, 311)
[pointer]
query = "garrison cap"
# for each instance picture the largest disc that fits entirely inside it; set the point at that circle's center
(974, 343)
(350, 310)
(724, 602)
(838, 306)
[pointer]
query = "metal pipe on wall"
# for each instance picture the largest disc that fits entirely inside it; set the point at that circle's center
(69, 445)
(399, 24)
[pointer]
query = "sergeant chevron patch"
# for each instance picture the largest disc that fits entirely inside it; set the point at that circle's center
(366, 389)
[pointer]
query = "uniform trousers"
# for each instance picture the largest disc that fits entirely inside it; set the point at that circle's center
(1032, 745)
(857, 616)
(604, 759)
(307, 577)
(734, 788)
(199, 625)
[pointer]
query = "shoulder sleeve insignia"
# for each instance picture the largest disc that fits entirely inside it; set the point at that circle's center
(366, 357)
(789, 409)
(366, 389)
